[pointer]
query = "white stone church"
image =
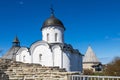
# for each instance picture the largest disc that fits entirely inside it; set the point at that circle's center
(50, 51)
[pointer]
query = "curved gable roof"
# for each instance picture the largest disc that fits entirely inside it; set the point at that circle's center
(37, 43)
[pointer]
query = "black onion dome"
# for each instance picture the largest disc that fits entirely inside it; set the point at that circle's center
(52, 21)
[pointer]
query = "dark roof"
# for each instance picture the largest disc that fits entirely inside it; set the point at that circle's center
(52, 21)
(16, 40)
(90, 56)
(12, 52)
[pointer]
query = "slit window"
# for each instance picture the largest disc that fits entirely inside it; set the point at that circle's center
(23, 58)
(40, 57)
(56, 35)
(47, 36)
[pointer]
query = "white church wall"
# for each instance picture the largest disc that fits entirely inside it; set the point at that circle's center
(66, 60)
(42, 55)
(78, 62)
(61, 59)
(79, 57)
(81, 63)
(74, 62)
(23, 55)
(51, 37)
(57, 56)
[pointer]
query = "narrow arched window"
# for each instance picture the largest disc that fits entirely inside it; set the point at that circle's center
(23, 58)
(40, 57)
(47, 36)
(56, 35)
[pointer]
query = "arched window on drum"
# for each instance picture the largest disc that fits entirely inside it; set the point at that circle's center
(56, 36)
(47, 36)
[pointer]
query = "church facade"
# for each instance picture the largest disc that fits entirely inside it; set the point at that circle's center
(50, 51)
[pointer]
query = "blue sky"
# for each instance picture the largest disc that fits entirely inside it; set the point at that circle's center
(87, 22)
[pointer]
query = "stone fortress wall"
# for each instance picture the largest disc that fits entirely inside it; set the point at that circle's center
(12, 70)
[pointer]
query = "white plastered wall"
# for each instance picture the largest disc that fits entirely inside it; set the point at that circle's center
(57, 55)
(80, 63)
(66, 61)
(52, 31)
(23, 55)
(46, 58)
(74, 62)
(51, 56)
(61, 58)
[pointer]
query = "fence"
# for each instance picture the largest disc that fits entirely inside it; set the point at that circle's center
(88, 77)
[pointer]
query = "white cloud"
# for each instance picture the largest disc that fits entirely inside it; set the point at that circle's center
(117, 38)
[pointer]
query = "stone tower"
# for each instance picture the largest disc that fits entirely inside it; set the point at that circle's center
(11, 54)
(90, 60)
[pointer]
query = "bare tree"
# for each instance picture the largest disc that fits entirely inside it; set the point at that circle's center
(88, 72)
(113, 68)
